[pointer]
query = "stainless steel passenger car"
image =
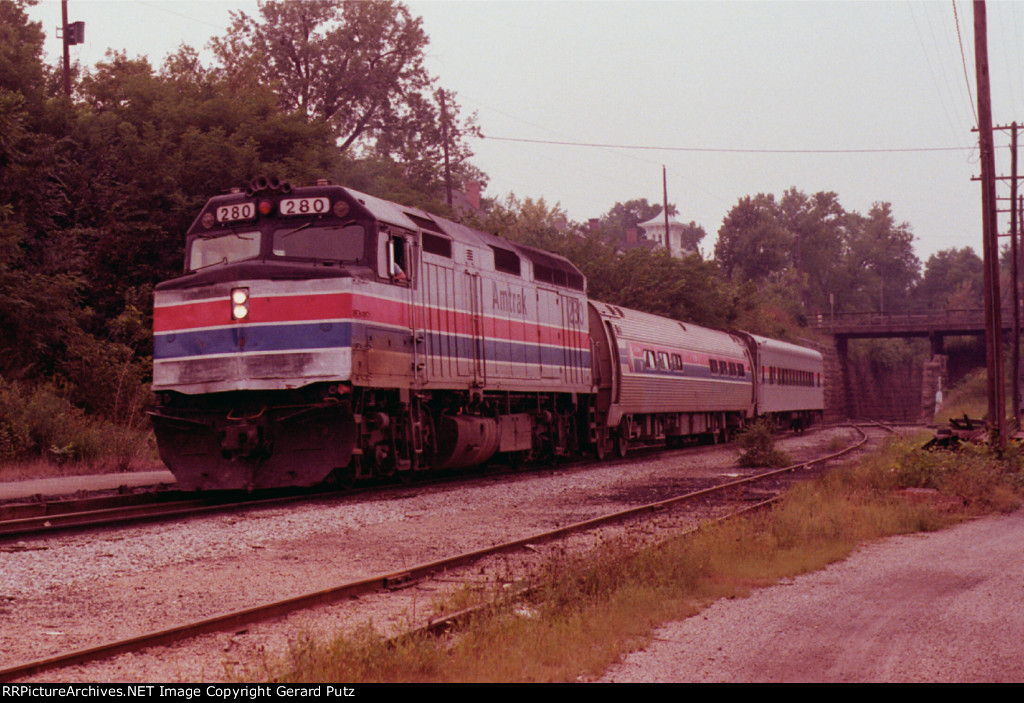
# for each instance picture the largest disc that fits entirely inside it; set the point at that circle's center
(663, 379)
(790, 381)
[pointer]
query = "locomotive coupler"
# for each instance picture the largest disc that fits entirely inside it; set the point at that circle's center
(242, 439)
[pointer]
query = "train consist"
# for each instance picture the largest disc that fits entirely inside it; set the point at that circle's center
(319, 333)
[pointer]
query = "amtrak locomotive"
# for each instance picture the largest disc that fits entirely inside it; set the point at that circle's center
(319, 333)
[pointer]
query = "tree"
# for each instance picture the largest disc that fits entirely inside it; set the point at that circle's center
(352, 63)
(809, 247)
(953, 278)
(358, 66)
(623, 216)
(21, 46)
(691, 236)
(818, 225)
(880, 267)
(753, 245)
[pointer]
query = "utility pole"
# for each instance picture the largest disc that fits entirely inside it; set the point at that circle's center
(664, 197)
(993, 323)
(1013, 277)
(444, 138)
(1016, 222)
(67, 46)
(71, 34)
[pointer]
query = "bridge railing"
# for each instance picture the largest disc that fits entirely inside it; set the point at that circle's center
(927, 319)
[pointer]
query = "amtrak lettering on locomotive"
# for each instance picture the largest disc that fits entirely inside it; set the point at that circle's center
(320, 333)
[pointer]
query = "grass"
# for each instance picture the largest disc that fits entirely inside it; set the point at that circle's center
(586, 611)
(969, 397)
(143, 458)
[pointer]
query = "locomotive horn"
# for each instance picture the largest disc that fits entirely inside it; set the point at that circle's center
(259, 184)
(273, 183)
(286, 187)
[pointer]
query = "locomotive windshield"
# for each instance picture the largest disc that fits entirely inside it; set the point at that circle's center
(236, 246)
(317, 241)
(333, 242)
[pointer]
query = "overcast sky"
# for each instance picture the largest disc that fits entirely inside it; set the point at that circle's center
(729, 96)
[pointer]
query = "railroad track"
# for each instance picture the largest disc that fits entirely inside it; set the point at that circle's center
(32, 519)
(392, 580)
(28, 519)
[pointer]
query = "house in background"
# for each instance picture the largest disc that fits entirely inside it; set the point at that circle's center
(683, 238)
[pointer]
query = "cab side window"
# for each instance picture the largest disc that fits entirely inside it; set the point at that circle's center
(398, 260)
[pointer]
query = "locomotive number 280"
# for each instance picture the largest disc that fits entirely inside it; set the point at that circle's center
(305, 206)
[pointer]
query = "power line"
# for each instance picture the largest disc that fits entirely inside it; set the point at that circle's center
(712, 150)
(963, 60)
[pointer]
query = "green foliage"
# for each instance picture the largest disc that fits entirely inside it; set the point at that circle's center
(21, 48)
(752, 243)
(973, 474)
(888, 354)
(359, 68)
(880, 264)
(969, 397)
(810, 247)
(39, 422)
(953, 279)
(758, 444)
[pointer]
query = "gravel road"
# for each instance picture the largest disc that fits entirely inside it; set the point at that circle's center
(943, 607)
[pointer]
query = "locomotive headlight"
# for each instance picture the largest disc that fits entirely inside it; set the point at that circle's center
(239, 303)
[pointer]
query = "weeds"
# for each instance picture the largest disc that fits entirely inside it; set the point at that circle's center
(758, 445)
(42, 433)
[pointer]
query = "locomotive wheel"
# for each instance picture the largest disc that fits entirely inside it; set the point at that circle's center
(621, 444)
(518, 460)
(601, 445)
(384, 465)
(344, 477)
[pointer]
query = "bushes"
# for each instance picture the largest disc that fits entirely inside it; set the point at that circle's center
(39, 422)
(759, 447)
(972, 473)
